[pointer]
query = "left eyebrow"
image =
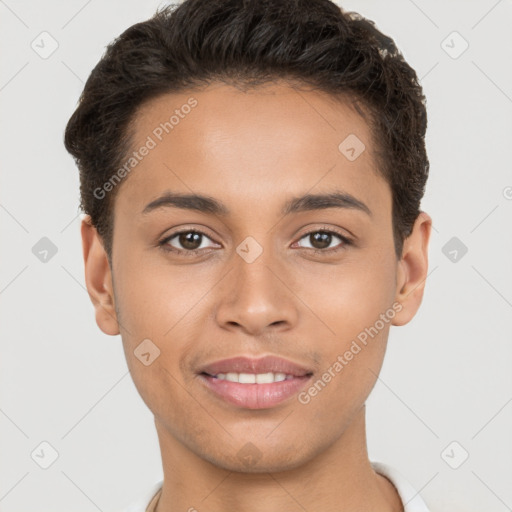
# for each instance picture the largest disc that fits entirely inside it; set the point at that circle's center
(307, 202)
(335, 199)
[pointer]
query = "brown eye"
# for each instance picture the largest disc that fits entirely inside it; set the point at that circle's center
(321, 240)
(189, 241)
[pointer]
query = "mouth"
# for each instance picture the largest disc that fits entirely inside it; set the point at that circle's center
(252, 378)
(255, 383)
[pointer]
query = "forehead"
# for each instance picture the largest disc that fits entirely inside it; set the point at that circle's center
(247, 144)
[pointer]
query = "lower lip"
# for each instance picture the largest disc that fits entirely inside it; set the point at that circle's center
(255, 396)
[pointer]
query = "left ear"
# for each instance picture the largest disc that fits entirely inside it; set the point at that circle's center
(412, 270)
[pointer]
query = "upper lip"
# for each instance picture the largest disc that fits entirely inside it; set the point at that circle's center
(266, 364)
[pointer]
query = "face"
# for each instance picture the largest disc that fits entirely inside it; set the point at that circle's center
(253, 270)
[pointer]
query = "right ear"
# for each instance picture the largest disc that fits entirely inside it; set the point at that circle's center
(98, 278)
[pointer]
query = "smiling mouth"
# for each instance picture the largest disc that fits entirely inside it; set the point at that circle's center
(254, 383)
(255, 378)
(254, 391)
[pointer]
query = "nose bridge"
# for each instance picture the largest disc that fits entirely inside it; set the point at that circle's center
(252, 271)
(254, 298)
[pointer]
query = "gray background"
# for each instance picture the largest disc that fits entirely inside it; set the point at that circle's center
(447, 377)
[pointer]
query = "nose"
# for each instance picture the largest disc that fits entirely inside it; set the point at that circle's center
(256, 297)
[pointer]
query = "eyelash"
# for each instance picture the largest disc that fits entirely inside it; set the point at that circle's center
(162, 244)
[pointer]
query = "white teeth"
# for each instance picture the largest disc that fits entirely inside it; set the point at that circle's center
(247, 378)
(264, 378)
(252, 378)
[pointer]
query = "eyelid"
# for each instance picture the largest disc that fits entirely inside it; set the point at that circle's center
(342, 232)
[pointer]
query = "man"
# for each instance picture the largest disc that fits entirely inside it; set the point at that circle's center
(252, 173)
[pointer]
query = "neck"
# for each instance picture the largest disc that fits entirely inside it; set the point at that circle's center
(339, 478)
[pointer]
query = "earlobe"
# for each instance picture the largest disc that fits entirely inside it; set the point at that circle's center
(412, 270)
(98, 278)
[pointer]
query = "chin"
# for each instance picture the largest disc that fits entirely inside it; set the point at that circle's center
(253, 459)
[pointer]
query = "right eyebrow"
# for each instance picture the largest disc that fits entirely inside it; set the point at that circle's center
(198, 202)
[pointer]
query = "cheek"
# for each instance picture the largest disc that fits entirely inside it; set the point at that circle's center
(349, 297)
(356, 310)
(152, 299)
(350, 366)
(158, 312)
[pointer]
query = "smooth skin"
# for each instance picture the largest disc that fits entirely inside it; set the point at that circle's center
(253, 151)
